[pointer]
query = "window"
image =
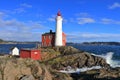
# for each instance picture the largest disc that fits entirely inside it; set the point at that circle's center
(44, 37)
(50, 36)
(35, 52)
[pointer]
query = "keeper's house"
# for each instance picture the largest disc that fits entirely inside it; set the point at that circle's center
(48, 39)
(30, 53)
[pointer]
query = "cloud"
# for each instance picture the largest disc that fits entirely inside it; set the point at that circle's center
(52, 18)
(20, 36)
(21, 9)
(82, 18)
(1, 14)
(26, 5)
(21, 31)
(83, 37)
(109, 21)
(85, 20)
(10, 23)
(65, 20)
(114, 5)
(82, 14)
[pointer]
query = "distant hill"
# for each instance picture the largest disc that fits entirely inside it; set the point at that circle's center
(1, 40)
(18, 42)
(102, 43)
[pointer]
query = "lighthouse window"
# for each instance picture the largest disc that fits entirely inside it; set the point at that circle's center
(35, 52)
(49, 37)
(44, 37)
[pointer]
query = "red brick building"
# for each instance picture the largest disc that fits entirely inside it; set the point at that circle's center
(64, 39)
(30, 53)
(48, 39)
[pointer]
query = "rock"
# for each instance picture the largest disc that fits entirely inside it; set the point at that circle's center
(66, 50)
(27, 77)
(75, 58)
(112, 73)
(98, 74)
(23, 69)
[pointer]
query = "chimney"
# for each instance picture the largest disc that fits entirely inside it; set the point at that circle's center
(50, 31)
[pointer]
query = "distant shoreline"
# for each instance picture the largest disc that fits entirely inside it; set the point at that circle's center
(19, 42)
(83, 43)
(96, 43)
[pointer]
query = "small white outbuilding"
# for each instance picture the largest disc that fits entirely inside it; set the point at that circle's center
(14, 51)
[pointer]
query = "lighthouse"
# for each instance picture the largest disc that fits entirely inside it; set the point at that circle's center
(58, 38)
(58, 35)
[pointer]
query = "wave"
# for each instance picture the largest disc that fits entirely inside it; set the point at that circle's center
(108, 57)
(109, 60)
(78, 70)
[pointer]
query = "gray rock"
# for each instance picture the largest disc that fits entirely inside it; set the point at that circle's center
(27, 77)
(73, 57)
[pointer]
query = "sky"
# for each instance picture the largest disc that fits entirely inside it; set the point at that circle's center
(83, 20)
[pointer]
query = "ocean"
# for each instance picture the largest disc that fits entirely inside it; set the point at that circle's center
(110, 52)
(6, 48)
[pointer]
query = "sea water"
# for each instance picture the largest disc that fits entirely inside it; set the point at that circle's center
(6, 48)
(109, 60)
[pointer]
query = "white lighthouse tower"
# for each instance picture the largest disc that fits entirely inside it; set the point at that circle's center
(58, 35)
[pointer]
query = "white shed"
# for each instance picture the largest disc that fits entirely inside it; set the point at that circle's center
(14, 51)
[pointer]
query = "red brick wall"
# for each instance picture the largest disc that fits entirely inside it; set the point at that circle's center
(48, 40)
(64, 39)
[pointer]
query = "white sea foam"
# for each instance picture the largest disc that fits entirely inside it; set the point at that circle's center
(109, 60)
(108, 57)
(78, 70)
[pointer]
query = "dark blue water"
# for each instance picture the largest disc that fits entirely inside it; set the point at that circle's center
(100, 49)
(5, 48)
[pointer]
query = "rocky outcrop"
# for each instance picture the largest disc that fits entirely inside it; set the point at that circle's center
(27, 77)
(111, 73)
(98, 74)
(75, 58)
(23, 69)
(64, 50)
